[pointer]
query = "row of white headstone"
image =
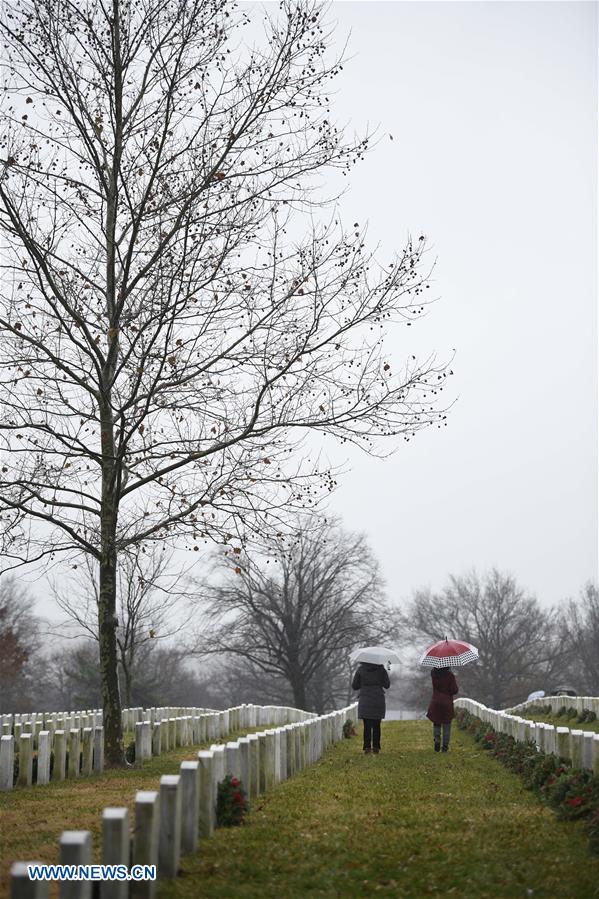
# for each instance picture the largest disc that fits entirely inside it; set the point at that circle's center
(169, 821)
(580, 703)
(580, 747)
(155, 735)
(81, 734)
(85, 756)
(34, 722)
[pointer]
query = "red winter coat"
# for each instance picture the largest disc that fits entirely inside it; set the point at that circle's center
(445, 686)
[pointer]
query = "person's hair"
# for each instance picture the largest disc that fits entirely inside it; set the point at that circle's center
(437, 672)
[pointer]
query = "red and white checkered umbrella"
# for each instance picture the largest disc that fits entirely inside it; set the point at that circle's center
(449, 653)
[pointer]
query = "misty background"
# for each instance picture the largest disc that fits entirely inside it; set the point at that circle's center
(492, 108)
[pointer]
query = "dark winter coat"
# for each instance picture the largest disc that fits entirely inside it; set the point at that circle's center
(371, 681)
(445, 686)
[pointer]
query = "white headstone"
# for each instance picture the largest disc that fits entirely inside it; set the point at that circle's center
(74, 754)
(21, 887)
(60, 755)
(115, 850)
(145, 841)
(587, 749)
(576, 747)
(206, 816)
(169, 843)
(43, 757)
(87, 759)
(75, 849)
(98, 749)
(233, 761)
(25, 760)
(595, 755)
(7, 761)
(254, 766)
(190, 799)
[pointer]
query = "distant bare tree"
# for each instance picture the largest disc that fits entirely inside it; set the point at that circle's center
(295, 611)
(71, 680)
(517, 639)
(19, 644)
(580, 629)
(329, 687)
(151, 607)
(167, 332)
(244, 682)
(170, 679)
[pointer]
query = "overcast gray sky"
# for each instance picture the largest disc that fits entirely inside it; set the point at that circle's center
(493, 112)
(492, 108)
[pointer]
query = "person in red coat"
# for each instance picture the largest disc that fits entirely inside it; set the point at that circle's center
(440, 710)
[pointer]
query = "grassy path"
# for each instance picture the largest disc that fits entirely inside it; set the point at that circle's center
(407, 823)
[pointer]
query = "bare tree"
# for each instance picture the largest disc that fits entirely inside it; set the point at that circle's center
(170, 679)
(580, 632)
(167, 333)
(239, 681)
(19, 645)
(244, 681)
(517, 639)
(295, 612)
(151, 607)
(72, 680)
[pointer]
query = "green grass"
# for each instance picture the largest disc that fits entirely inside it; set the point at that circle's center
(32, 818)
(407, 823)
(562, 721)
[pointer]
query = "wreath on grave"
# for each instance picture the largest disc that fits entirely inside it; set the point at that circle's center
(570, 792)
(130, 752)
(231, 802)
(348, 729)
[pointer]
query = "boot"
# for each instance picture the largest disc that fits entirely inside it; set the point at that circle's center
(445, 748)
(437, 746)
(367, 751)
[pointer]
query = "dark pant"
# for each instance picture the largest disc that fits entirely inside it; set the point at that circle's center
(446, 733)
(372, 733)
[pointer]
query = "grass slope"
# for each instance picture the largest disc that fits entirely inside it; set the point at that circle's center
(562, 721)
(408, 823)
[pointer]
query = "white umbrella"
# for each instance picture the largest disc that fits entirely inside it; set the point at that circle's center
(376, 655)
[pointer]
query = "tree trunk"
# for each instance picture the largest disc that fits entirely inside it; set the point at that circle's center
(128, 690)
(497, 693)
(299, 692)
(113, 734)
(126, 668)
(107, 620)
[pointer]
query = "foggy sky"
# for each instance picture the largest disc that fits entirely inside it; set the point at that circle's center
(492, 108)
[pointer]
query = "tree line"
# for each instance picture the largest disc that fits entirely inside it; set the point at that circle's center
(278, 624)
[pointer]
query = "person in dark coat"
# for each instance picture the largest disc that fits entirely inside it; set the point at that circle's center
(440, 710)
(371, 681)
